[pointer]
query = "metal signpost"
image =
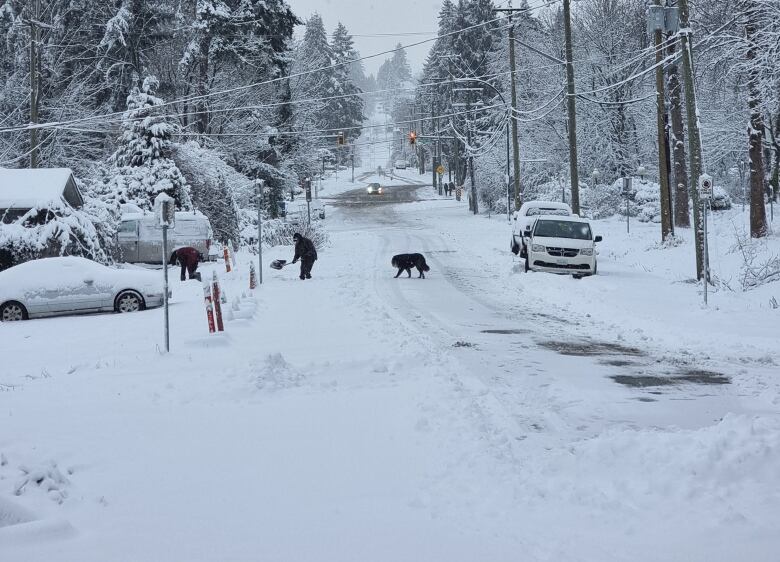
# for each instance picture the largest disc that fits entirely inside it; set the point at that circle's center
(260, 187)
(166, 218)
(705, 195)
(627, 193)
(307, 187)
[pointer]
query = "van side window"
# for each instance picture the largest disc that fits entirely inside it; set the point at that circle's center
(128, 227)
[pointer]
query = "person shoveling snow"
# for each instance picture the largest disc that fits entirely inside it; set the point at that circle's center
(306, 252)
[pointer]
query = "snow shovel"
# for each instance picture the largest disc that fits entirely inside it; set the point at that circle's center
(279, 264)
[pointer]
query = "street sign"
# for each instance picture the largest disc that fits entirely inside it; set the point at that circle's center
(626, 187)
(165, 210)
(440, 169)
(705, 186)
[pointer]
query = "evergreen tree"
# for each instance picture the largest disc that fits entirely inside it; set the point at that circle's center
(345, 112)
(142, 164)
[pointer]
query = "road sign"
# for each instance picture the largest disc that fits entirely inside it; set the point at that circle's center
(440, 169)
(705, 186)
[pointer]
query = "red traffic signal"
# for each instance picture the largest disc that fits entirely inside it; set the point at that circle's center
(412, 137)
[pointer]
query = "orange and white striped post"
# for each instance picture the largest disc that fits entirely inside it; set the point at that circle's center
(226, 255)
(252, 276)
(209, 306)
(232, 254)
(217, 304)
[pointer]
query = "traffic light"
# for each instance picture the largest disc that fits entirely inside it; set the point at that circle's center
(412, 137)
(340, 140)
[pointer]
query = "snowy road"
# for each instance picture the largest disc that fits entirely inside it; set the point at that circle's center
(361, 417)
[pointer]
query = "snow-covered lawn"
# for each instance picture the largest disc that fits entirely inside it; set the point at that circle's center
(479, 414)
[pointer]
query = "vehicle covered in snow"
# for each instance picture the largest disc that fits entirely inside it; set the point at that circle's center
(401, 164)
(73, 285)
(561, 244)
(524, 217)
(140, 235)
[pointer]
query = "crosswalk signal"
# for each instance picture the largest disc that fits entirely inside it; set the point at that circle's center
(412, 137)
(340, 139)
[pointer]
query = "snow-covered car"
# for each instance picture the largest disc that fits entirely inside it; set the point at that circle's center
(401, 164)
(72, 285)
(524, 217)
(374, 189)
(559, 244)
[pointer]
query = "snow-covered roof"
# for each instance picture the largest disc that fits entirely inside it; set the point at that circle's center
(27, 188)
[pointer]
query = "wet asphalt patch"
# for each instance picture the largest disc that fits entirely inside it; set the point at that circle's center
(642, 381)
(691, 376)
(591, 348)
(506, 331)
(700, 376)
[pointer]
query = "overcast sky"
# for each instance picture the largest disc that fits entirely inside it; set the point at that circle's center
(377, 25)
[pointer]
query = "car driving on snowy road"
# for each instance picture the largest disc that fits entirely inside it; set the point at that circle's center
(72, 285)
(561, 245)
(374, 189)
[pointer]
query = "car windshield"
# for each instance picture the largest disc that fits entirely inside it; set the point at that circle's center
(562, 229)
(534, 211)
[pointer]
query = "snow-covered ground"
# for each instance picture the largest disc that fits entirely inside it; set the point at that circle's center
(479, 414)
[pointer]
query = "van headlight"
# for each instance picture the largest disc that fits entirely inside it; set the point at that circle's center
(586, 252)
(538, 248)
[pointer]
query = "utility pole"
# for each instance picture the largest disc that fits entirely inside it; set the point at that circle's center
(434, 128)
(513, 87)
(694, 135)
(474, 196)
(571, 106)
(677, 142)
(663, 172)
(35, 12)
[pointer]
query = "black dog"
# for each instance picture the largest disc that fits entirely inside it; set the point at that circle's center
(408, 261)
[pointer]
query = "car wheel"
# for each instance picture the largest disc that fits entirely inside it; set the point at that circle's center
(129, 301)
(577, 276)
(527, 265)
(13, 311)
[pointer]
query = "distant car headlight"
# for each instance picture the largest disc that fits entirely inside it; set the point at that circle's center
(538, 248)
(368, 189)
(586, 252)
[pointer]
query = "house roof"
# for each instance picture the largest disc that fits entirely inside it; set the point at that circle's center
(26, 188)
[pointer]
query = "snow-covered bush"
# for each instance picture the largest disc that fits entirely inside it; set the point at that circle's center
(758, 267)
(277, 232)
(647, 201)
(721, 200)
(602, 201)
(56, 231)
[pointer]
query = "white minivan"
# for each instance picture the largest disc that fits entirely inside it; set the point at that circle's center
(559, 244)
(525, 217)
(140, 236)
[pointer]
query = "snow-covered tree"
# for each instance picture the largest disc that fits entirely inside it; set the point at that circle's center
(142, 164)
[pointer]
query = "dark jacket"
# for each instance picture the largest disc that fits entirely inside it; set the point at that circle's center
(304, 249)
(186, 256)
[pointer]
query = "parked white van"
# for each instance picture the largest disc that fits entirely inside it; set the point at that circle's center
(559, 244)
(140, 236)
